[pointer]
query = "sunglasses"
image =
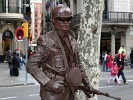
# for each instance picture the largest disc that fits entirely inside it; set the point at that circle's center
(63, 19)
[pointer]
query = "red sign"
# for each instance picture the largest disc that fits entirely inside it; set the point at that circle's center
(19, 34)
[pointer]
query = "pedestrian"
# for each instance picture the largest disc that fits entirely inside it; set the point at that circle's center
(9, 60)
(16, 64)
(104, 55)
(114, 72)
(109, 61)
(121, 63)
(122, 49)
(22, 59)
(116, 58)
(18, 52)
(131, 58)
(55, 61)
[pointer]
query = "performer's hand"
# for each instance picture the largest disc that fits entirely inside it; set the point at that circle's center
(56, 87)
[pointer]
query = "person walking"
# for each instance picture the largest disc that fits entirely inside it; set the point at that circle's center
(104, 55)
(109, 61)
(121, 63)
(131, 58)
(9, 60)
(22, 59)
(55, 60)
(19, 57)
(122, 49)
(16, 64)
(114, 72)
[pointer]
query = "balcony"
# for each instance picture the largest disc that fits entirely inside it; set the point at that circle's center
(12, 13)
(10, 9)
(118, 18)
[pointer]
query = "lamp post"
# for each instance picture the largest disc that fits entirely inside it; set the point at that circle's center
(25, 29)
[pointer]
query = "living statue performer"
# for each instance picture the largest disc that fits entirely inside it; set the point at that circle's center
(55, 61)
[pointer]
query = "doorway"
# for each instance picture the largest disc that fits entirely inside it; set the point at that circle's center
(6, 42)
(106, 45)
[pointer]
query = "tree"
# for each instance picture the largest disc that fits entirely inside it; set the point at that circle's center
(89, 41)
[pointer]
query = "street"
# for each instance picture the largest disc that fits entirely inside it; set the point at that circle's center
(31, 92)
(20, 93)
(125, 92)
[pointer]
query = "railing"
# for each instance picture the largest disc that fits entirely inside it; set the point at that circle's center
(117, 17)
(10, 9)
(108, 17)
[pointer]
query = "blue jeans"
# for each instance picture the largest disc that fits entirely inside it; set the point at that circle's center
(103, 65)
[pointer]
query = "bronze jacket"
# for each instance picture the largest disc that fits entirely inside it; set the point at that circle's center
(48, 53)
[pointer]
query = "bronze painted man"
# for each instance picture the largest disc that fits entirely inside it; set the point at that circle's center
(55, 61)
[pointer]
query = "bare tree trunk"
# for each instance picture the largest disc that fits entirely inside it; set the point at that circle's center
(89, 42)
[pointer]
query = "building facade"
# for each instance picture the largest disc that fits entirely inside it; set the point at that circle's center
(117, 24)
(36, 13)
(11, 17)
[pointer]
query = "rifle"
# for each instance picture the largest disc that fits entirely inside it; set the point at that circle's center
(94, 91)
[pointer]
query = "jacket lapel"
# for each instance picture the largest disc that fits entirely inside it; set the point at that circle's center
(71, 39)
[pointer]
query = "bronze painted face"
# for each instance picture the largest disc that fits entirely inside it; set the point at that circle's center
(61, 17)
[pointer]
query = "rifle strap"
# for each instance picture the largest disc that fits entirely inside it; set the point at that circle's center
(65, 60)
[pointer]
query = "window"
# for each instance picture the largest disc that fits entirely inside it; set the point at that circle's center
(35, 5)
(35, 25)
(35, 30)
(35, 15)
(2, 6)
(35, 20)
(13, 6)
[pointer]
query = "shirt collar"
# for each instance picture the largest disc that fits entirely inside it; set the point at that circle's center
(61, 34)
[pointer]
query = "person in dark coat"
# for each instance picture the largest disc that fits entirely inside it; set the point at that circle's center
(9, 60)
(131, 58)
(16, 64)
(121, 63)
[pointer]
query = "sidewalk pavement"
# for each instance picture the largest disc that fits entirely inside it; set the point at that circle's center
(7, 81)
